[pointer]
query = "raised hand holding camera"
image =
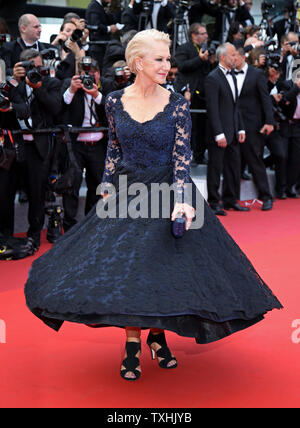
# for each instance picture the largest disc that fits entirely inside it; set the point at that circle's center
(76, 84)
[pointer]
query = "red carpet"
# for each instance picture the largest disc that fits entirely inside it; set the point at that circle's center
(79, 366)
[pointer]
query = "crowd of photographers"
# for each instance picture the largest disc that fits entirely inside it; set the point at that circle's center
(62, 85)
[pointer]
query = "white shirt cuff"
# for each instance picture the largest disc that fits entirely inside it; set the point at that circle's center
(164, 3)
(242, 132)
(98, 99)
(68, 96)
(219, 137)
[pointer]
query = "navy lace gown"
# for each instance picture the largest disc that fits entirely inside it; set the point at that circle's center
(128, 271)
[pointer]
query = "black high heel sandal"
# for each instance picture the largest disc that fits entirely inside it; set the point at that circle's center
(163, 352)
(131, 362)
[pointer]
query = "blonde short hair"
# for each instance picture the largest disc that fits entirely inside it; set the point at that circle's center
(140, 43)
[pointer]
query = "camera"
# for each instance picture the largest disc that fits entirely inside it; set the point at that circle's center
(120, 75)
(49, 54)
(273, 60)
(211, 49)
(279, 116)
(87, 79)
(5, 88)
(33, 73)
(76, 35)
(295, 45)
(4, 38)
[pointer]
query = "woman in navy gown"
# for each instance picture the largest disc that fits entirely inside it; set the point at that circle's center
(129, 271)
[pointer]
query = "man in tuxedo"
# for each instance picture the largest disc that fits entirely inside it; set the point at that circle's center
(194, 65)
(158, 15)
(227, 132)
(85, 107)
(106, 24)
(44, 103)
(256, 108)
(30, 33)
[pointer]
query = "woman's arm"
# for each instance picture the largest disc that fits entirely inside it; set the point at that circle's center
(181, 161)
(114, 153)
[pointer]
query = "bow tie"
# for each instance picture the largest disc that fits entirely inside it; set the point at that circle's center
(32, 46)
(239, 72)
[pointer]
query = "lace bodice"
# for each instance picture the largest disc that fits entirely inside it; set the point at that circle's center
(163, 140)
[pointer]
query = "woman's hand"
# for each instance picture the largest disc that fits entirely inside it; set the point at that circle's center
(60, 37)
(185, 209)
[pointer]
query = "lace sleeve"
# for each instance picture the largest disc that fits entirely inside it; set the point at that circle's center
(114, 153)
(182, 149)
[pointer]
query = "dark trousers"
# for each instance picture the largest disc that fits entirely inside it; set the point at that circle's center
(37, 172)
(252, 151)
(92, 158)
(8, 188)
(227, 161)
(278, 147)
(291, 135)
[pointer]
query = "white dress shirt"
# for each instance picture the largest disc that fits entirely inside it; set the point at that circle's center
(240, 77)
(88, 121)
(30, 97)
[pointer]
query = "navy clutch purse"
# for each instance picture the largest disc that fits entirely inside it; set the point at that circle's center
(178, 227)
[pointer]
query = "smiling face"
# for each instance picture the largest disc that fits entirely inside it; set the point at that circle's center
(155, 64)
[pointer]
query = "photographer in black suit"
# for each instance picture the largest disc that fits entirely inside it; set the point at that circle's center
(194, 64)
(256, 108)
(227, 132)
(85, 107)
(105, 24)
(42, 97)
(30, 33)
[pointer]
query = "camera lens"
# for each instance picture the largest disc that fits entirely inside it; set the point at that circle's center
(76, 35)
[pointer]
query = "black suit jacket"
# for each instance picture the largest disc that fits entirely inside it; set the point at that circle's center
(44, 109)
(254, 101)
(290, 92)
(224, 116)
(191, 68)
(10, 52)
(96, 15)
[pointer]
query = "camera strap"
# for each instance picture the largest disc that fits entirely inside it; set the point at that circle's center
(92, 109)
